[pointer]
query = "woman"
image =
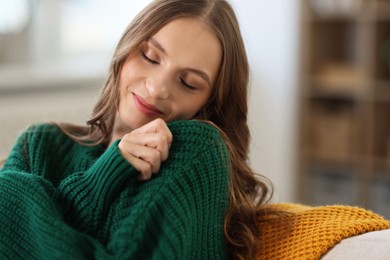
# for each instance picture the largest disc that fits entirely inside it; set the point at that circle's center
(177, 60)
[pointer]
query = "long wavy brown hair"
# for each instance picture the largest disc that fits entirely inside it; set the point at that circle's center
(227, 109)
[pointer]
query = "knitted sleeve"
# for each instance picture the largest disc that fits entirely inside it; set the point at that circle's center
(180, 213)
(87, 196)
(32, 226)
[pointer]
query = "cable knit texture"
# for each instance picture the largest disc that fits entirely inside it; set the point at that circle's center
(309, 232)
(63, 200)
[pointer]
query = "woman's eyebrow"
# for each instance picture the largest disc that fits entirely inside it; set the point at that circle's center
(201, 74)
(198, 72)
(157, 45)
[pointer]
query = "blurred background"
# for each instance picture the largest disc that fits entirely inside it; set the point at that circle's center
(319, 95)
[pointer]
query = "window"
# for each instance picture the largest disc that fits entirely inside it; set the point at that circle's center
(14, 16)
(92, 26)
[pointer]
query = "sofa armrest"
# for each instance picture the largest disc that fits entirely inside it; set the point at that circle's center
(371, 245)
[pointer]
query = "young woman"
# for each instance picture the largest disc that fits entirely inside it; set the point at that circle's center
(142, 180)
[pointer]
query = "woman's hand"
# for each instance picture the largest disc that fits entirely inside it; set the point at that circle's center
(146, 147)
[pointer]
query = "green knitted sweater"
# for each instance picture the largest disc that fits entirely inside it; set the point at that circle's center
(63, 200)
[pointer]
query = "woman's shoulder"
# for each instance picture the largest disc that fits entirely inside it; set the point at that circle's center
(43, 127)
(194, 137)
(39, 132)
(196, 131)
(198, 143)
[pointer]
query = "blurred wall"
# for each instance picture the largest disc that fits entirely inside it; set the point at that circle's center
(271, 31)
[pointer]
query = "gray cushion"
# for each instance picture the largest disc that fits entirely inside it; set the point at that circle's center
(371, 245)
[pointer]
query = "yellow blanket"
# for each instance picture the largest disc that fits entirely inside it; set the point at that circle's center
(311, 231)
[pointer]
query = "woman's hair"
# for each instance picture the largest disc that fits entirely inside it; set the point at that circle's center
(226, 108)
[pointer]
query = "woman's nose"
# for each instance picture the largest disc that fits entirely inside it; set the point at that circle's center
(158, 87)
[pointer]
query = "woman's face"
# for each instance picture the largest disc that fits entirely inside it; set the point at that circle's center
(170, 76)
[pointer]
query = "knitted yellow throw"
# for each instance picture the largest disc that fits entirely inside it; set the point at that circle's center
(311, 231)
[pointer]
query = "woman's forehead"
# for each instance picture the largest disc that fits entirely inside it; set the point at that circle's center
(189, 40)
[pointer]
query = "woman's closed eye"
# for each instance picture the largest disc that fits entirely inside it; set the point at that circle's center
(186, 85)
(149, 59)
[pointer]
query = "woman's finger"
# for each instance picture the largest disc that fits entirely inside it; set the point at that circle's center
(153, 140)
(146, 147)
(156, 126)
(135, 153)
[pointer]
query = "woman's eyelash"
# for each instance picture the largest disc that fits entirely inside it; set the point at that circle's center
(148, 59)
(185, 84)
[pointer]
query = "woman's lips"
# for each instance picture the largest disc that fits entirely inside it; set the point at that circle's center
(145, 107)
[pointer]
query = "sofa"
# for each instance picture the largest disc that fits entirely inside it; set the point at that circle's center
(324, 232)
